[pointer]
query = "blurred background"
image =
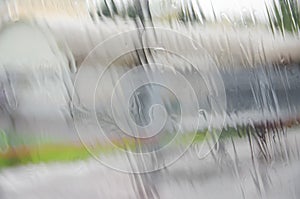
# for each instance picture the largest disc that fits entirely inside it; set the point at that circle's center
(149, 99)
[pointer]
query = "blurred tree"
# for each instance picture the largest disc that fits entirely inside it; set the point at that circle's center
(109, 10)
(286, 16)
(191, 13)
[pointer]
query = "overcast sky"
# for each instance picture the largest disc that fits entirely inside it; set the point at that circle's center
(235, 8)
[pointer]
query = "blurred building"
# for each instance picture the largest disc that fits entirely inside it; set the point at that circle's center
(19, 9)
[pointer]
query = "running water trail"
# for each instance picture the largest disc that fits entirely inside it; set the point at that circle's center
(147, 79)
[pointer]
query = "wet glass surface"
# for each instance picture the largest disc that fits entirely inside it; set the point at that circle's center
(149, 99)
